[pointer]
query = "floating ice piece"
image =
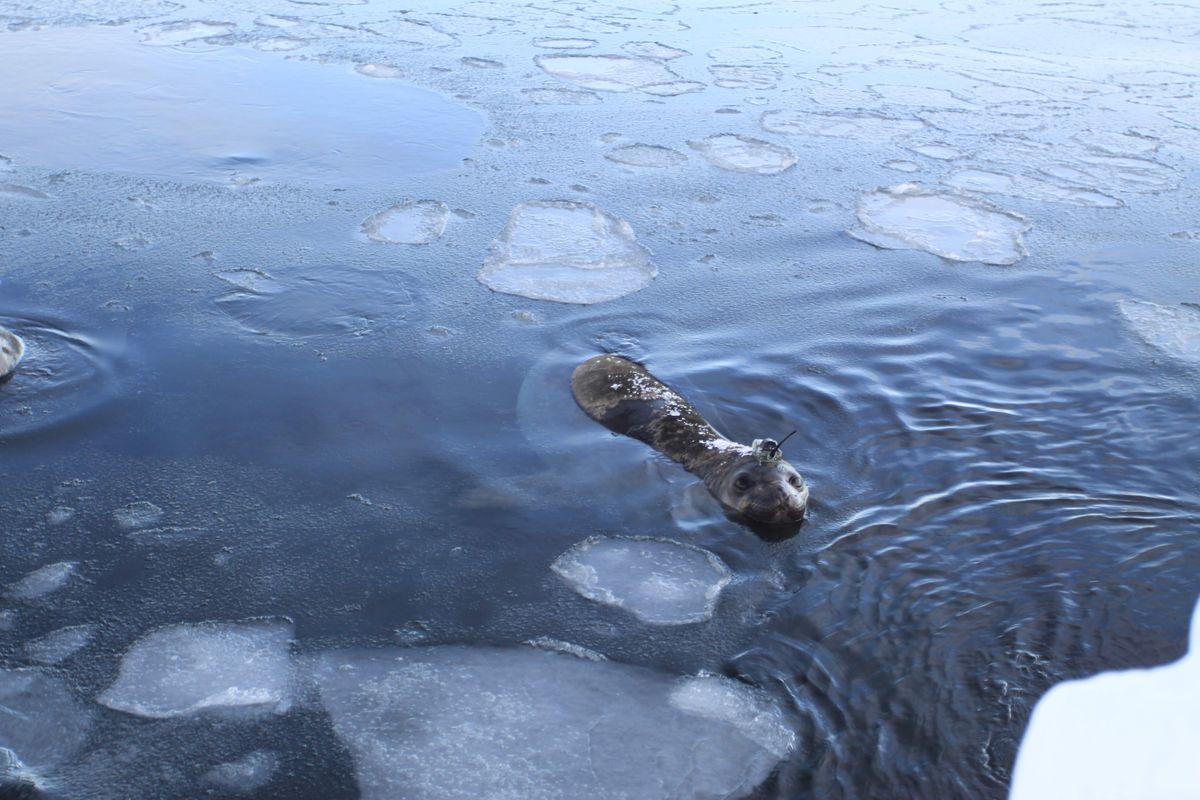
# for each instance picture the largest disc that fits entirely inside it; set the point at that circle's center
(655, 50)
(739, 153)
(745, 55)
(41, 724)
(279, 44)
(410, 222)
(59, 645)
(562, 97)
(607, 73)
(559, 646)
(750, 77)
(565, 44)
(6, 164)
(1174, 330)
(1115, 735)
(860, 126)
(657, 580)
(1117, 174)
(942, 152)
(21, 192)
(412, 32)
(460, 723)
(167, 34)
(985, 182)
(919, 96)
(753, 713)
(246, 775)
(947, 224)
(138, 514)
(646, 155)
(568, 252)
(902, 165)
(12, 350)
(672, 89)
(43, 581)
(385, 71)
(183, 669)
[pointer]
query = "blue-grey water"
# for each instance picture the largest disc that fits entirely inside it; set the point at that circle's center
(238, 406)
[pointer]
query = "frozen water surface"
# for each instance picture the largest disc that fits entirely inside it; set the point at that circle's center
(566, 251)
(738, 153)
(607, 73)
(60, 644)
(460, 722)
(562, 97)
(41, 724)
(43, 581)
(949, 225)
(646, 155)
(658, 581)
(207, 666)
(410, 222)
(1173, 329)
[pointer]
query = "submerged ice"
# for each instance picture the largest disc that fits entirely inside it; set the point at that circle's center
(43, 581)
(947, 224)
(568, 252)
(657, 580)
(183, 669)
(451, 723)
(1173, 329)
(41, 724)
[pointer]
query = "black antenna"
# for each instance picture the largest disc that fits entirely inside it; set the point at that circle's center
(779, 444)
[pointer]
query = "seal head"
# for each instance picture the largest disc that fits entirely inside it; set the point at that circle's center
(12, 349)
(754, 484)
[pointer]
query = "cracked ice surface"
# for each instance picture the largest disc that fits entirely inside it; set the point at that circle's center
(658, 581)
(183, 669)
(566, 251)
(444, 723)
(950, 225)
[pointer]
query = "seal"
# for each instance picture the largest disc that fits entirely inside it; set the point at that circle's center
(754, 484)
(12, 349)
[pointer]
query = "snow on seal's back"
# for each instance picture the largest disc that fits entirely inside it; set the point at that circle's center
(568, 252)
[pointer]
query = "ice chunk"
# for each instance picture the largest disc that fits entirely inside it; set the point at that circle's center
(566, 251)
(986, 182)
(947, 224)
(460, 723)
(41, 724)
(12, 350)
(139, 514)
(410, 222)
(901, 165)
(1174, 330)
(942, 152)
(183, 669)
(646, 155)
(750, 711)
(672, 89)
(565, 44)
(562, 97)
(59, 645)
(751, 77)
(657, 580)
(863, 126)
(656, 50)
(246, 775)
(43, 581)
(739, 153)
(385, 71)
(607, 73)
(166, 34)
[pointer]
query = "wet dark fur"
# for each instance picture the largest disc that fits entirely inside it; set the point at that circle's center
(624, 397)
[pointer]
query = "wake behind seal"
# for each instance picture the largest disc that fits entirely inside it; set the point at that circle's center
(754, 484)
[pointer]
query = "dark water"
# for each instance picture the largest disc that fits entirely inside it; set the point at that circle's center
(377, 447)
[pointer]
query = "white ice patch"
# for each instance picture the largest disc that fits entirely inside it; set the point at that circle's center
(59, 645)
(607, 73)
(565, 44)
(858, 126)
(246, 775)
(947, 224)
(183, 669)
(460, 723)
(168, 34)
(719, 698)
(748, 77)
(672, 89)
(562, 97)
(942, 152)
(568, 252)
(383, 71)
(646, 155)
(657, 580)
(43, 581)
(41, 724)
(410, 222)
(656, 50)
(139, 514)
(559, 646)
(739, 153)
(901, 165)
(1174, 330)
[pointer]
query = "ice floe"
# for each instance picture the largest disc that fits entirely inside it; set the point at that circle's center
(59, 645)
(864, 126)
(246, 775)
(1173, 329)
(646, 155)
(902, 165)
(138, 514)
(167, 34)
(607, 73)
(566, 251)
(739, 153)
(657, 580)
(410, 222)
(43, 581)
(187, 668)
(565, 44)
(41, 724)
(459, 723)
(562, 97)
(986, 182)
(749, 77)
(655, 50)
(947, 224)
(12, 350)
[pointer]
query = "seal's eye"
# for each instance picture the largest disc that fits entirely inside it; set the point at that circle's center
(795, 481)
(742, 483)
